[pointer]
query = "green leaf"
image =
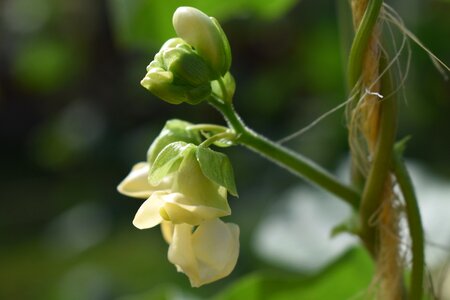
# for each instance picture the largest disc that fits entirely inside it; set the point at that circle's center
(168, 161)
(348, 278)
(160, 292)
(173, 131)
(217, 167)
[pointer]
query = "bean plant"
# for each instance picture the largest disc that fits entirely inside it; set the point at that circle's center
(186, 179)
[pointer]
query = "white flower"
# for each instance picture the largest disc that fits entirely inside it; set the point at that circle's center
(206, 254)
(188, 206)
(192, 199)
(136, 183)
(185, 196)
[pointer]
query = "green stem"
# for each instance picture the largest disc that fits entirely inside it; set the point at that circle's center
(284, 157)
(355, 62)
(232, 118)
(207, 127)
(228, 135)
(378, 174)
(299, 165)
(222, 85)
(414, 223)
(361, 40)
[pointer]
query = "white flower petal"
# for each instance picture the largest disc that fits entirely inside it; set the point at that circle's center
(207, 254)
(205, 212)
(181, 253)
(187, 213)
(148, 214)
(216, 246)
(136, 183)
(178, 215)
(167, 229)
(204, 34)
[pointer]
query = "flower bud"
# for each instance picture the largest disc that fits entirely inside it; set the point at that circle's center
(159, 82)
(187, 66)
(230, 87)
(205, 35)
(178, 74)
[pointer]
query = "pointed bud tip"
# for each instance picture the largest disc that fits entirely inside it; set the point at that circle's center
(205, 35)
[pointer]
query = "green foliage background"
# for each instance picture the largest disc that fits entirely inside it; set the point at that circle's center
(73, 120)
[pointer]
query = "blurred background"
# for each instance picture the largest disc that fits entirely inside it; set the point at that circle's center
(74, 119)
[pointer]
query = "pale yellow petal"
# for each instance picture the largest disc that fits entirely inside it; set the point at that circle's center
(136, 183)
(167, 231)
(148, 214)
(178, 215)
(191, 214)
(216, 247)
(199, 30)
(207, 254)
(181, 253)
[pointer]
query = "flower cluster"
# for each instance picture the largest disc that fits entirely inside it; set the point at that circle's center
(185, 187)
(185, 68)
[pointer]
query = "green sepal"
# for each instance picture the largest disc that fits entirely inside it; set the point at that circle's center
(174, 131)
(161, 85)
(230, 87)
(217, 167)
(198, 94)
(168, 161)
(226, 62)
(187, 65)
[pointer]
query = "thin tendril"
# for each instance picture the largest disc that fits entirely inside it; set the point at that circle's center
(314, 123)
(390, 18)
(439, 64)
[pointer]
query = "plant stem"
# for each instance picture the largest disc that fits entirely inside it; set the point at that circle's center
(357, 56)
(228, 135)
(361, 40)
(414, 223)
(379, 171)
(207, 127)
(294, 162)
(299, 165)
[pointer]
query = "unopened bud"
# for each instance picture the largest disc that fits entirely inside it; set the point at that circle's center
(178, 74)
(205, 35)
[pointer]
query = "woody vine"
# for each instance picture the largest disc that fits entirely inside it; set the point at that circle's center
(185, 182)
